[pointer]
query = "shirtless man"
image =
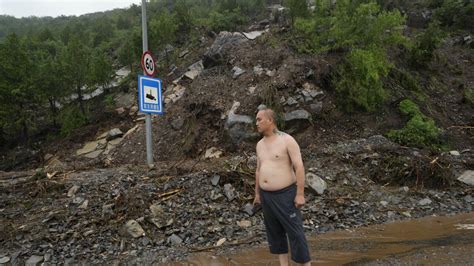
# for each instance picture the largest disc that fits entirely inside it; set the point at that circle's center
(279, 187)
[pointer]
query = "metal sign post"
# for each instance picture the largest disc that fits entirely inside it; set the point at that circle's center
(149, 148)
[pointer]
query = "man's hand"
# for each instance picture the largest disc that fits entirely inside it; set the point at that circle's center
(256, 200)
(299, 201)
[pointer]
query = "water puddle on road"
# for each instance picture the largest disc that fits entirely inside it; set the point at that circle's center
(428, 241)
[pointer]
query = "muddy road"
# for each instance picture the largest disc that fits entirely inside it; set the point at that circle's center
(445, 240)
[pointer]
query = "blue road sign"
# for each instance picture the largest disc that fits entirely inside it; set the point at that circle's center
(149, 95)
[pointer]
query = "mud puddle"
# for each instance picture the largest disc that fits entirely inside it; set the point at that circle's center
(430, 241)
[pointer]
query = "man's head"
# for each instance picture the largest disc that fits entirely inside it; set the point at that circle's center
(266, 120)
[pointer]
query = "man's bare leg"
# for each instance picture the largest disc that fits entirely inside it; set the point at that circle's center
(283, 259)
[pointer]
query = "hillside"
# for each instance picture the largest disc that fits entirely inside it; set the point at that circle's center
(402, 150)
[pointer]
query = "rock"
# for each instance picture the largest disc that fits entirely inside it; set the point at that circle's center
(78, 200)
(316, 108)
(224, 43)
(258, 70)
(407, 214)
(248, 208)
(237, 71)
(454, 153)
(125, 100)
(4, 260)
(177, 123)
(194, 70)
(47, 157)
(120, 110)
(175, 240)
(107, 209)
(220, 242)
(176, 93)
(156, 210)
(425, 201)
(291, 101)
(244, 223)
(467, 177)
(134, 229)
(88, 147)
(133, 110)
(252, 89)
(114, 133)
(404, 189)
(72, 191)
(215, 180)
(212, 153)
(239, 127)
(84, 204)
(183, 53)
(468, 199)
(383, 203)
(316, 183)
(229, 191)
(270, 73)
(297, 120)
(94, 154)
(34, 260)
(254, 34)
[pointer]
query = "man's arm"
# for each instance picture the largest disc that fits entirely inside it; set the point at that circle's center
(297, 162)
(257, 186)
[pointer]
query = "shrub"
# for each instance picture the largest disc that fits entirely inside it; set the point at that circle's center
(358, 82)
(71, 118)
(225, 20)
(298, 9)
(425, 45)
(419, 131)
(469, 96)
(350, 25)
(455, 13)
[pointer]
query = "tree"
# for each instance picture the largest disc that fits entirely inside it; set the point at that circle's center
(101, 70)
(15, 94)
(75, 62)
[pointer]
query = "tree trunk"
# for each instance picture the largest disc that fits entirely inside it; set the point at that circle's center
(54, 111)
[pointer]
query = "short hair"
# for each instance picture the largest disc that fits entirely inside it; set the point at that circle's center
(269, 113)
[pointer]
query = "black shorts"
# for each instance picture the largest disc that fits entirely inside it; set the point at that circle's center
(283, 219)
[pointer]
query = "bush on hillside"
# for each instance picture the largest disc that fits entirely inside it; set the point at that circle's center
(71, 118)
(358, 81)
(455, 13)
(419, 131)
(422, 52)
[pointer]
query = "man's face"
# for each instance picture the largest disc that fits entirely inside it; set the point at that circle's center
(263, 122)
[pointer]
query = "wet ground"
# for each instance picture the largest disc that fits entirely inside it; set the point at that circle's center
(427, 241)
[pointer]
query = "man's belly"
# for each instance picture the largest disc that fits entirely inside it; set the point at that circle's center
(274, 177)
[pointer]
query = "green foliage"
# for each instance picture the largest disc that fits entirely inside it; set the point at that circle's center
(455, 13)
(349, 25)
(469, 96)
(419, 131)
(225, 20)
(298, 9)
(109, 101)
(425, 45)
(163, 29)
(101, 70)
(71, 118)
(358, 81)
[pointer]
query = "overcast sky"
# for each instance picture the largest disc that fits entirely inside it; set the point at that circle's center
(54, 8)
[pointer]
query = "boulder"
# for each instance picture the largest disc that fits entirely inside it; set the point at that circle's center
(467, 177)
(34, 260)
(297, 120)
(114, 133)
(224, 43)
(316, 183)
(239, 127)
(194, 70)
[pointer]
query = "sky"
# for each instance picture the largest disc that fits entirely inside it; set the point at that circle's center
(54, 8)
